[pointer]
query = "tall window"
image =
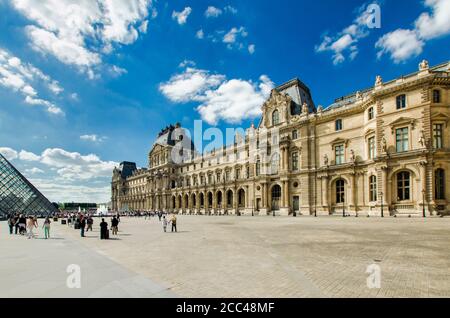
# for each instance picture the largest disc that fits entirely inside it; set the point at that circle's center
(371, 144)
(275, 118)
(402, 139)
(340, 191)
(436, 96)
(258, 167)
(373, 188)
(401, 101)
(295, 161)
(339, 154)
(294, 134)
(439, 184)
(338, 124)
(403, 186)
(437, 135)
(371, 113)
(238, 173)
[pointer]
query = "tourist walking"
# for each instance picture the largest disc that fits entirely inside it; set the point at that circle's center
(11, 223)
(173, 221)
(30, 224)
(115, 225)
(159, 216)
(82, 225)
(89, 222)
(46, 227)
(22, 224)
(103, 230)
(165, 222)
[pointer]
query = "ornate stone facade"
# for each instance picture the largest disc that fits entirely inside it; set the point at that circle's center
(382, 150)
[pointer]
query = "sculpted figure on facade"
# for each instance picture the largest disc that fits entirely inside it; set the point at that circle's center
(424, 65)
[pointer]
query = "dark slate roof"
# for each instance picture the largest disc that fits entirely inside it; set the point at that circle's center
(127, 169)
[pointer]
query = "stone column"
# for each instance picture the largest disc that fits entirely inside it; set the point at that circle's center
(352, 192)
(325, 203)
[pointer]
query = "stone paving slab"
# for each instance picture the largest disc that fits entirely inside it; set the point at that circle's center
(265, 257)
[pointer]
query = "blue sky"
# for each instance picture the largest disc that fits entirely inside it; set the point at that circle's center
(84, 86)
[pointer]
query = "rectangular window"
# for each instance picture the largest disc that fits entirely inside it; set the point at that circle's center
(371, 143)
(437, 136)
(436, 96)
(373, 189)
(402, 139)
(401, 101)
(339, 154)
(295, 161)
(294, 134)
(258, 167)
(338, 124)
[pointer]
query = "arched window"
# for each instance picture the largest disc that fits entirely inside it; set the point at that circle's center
(439, 184)
(373, 189)
(403, 186)
(275, 117)
(275, 163)
(210, 199)
(194, 201)
(340, 191)
(219, 199)
(202, 200)
(276, 197)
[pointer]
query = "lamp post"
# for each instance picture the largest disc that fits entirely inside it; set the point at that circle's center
(423, 203)
(382, 212)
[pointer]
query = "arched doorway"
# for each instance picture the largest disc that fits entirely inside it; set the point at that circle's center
(219, 199)
(202, 200)
(276, 197)
(229, 199)
(210, 200)
(241, 198)
(186, 201)
(174, 202)
(179, 202)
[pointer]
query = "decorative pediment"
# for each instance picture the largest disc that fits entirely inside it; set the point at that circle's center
(276, 99)
(402, 121)
(339, 141)
(441, 117)
(369, 132)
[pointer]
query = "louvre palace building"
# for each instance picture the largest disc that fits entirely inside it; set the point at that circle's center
(381, 151)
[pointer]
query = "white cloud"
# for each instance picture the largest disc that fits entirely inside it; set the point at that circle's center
(200, 34)
(8, 153)
(28, 156)
(75, 31)
(400, 44)
(345, 43)
(181, 17)
(212, 12)
(403, 44)
(233, 34)
(230, 9)
(34, 171)
(93, 138)
(190, 85)
(220, 99)
(186, 63)
(251, 49)
(66, 176)
(20, 77)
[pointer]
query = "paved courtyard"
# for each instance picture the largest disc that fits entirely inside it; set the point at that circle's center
(236, 257)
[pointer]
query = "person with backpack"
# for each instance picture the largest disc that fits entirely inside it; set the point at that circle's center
(115, 225)
(165, 223)
(173, 221)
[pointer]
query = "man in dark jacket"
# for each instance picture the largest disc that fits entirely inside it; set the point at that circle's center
(103, 230)
(82, 225)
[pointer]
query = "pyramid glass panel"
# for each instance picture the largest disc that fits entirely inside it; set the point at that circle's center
(18, 195)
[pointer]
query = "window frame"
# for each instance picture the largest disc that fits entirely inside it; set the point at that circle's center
(439, 184)
(439, 96)
(371, 113)
(403, 186)
(277, 121)
(373, 195)
(400, 102)
(340, 191)
(338, 125)
(341, 154)
(402, 140)
(441, 136)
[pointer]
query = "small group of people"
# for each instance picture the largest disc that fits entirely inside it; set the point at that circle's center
(22, 225)
(172, 220)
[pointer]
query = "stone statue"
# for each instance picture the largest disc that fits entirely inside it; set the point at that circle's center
(358, 95)
(325, 160)
(305, 109)
(422, 141)
(383, 145)
(378, 81)
(352, 156)
(320, 109)
(424, 65)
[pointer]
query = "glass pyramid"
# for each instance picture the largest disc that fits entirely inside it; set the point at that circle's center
(18, 195)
